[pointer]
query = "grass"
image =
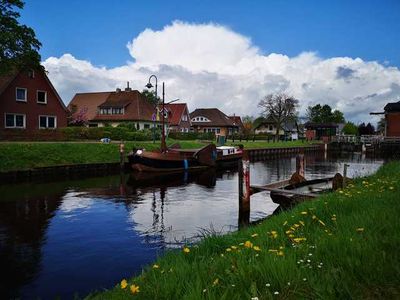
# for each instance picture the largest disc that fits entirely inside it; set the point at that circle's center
(22, 156)
(28, 155)
(343, 245)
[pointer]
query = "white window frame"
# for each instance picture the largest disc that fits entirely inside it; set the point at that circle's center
(26, 94)
(15, 120)
(37, 97)
(47, 122)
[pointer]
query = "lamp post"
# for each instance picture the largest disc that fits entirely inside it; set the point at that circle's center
(149, 86)
(163, 144)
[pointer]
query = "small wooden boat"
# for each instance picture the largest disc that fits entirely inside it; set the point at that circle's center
(297, 192)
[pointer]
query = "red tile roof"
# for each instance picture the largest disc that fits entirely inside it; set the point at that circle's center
(135, 105)
(237, 121)
(176, 110)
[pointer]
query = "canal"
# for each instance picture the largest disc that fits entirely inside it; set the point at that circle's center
(71, 237)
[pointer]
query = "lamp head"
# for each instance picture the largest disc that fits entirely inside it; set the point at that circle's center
(149, 85)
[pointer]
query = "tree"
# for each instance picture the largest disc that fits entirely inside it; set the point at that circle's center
(350, 128)
(281, 107)
(151, 97)
(247, 124)
(77, 118)
(18, 44)
(366, 129)
(381, 125)
(324, 114)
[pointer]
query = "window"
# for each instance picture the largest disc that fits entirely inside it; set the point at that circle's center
(31, 73)
(41, 97)
(184, 118)
(20, 94)
(218, 130)
(14, 121)
(47, 122)
(146, 126)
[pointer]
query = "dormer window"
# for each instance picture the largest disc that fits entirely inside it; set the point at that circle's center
(31, 73)
(200, 119)
(41, 97)
(21, 94)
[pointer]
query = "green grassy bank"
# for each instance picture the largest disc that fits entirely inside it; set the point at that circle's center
(27, 155)
(343, 245)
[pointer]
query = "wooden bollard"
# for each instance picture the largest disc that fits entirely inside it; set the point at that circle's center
(244, 190)
(300, 164)
(344, 174)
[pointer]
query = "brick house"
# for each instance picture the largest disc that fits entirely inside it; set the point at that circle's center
(212, 120)
(29, 102)
(177, 117)
(114, 108)
(392, 119)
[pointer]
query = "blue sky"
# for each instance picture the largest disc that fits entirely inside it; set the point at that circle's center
(98, 31)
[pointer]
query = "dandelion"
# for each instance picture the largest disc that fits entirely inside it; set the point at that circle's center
(296, 225)
(272, 250)
(288, 231)
(322, 223)
(186, 250)
(333, 218)
(280, 253)
(314, 217)
(228, 250)
(124, 284)
(156, 266)
(284, 224)
(248, 244)
(215, 282)
(234, 247)
(134, 289)
(274, 234)
(303, 212)
(302, 223)
(360, 229)
(256, 248)
(298, 240)
(254, 235)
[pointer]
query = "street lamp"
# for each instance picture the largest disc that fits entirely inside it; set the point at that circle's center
(149, 86)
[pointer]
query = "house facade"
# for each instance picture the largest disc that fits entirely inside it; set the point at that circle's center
(29, 102)
(177, 116)
(322, 131)
(212, 120)
(392, 119)
(113, 108)
(268, 126)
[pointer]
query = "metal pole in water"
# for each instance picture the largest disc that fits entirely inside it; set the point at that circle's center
(122, 155)
(345, 174)
(244, 190)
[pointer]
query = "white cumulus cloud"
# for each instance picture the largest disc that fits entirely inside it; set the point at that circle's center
(209, 65)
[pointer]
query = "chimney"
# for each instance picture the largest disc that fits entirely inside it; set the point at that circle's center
(127, 89)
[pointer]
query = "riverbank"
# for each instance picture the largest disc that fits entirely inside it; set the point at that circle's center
(18, 156)
(342, 245)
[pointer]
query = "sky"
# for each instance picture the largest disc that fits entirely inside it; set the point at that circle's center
(226, 54)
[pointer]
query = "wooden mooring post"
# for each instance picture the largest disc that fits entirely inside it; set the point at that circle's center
(300, 164)
(244, 190)
(122, 155)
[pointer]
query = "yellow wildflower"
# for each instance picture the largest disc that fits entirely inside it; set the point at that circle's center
(303, 212)
(156, 266)
(391, 188)
(333, 218)
(134, 289)
(360, 229)
(256, 248)
(234, 247)
(341, 192)
(216, 281)
(280, 253)
(248, 244)
(291, 235)
(285, 223)
(254, 235)
(124, 284)
(288, 231)
(298, 240)
(296, 225)
(314, 217)
(322, 223)
(272, 250)
(228, 250)
(186, 250)
(302, 223)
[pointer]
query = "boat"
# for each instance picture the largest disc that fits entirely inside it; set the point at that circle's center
(294, 193)
(176, 160)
